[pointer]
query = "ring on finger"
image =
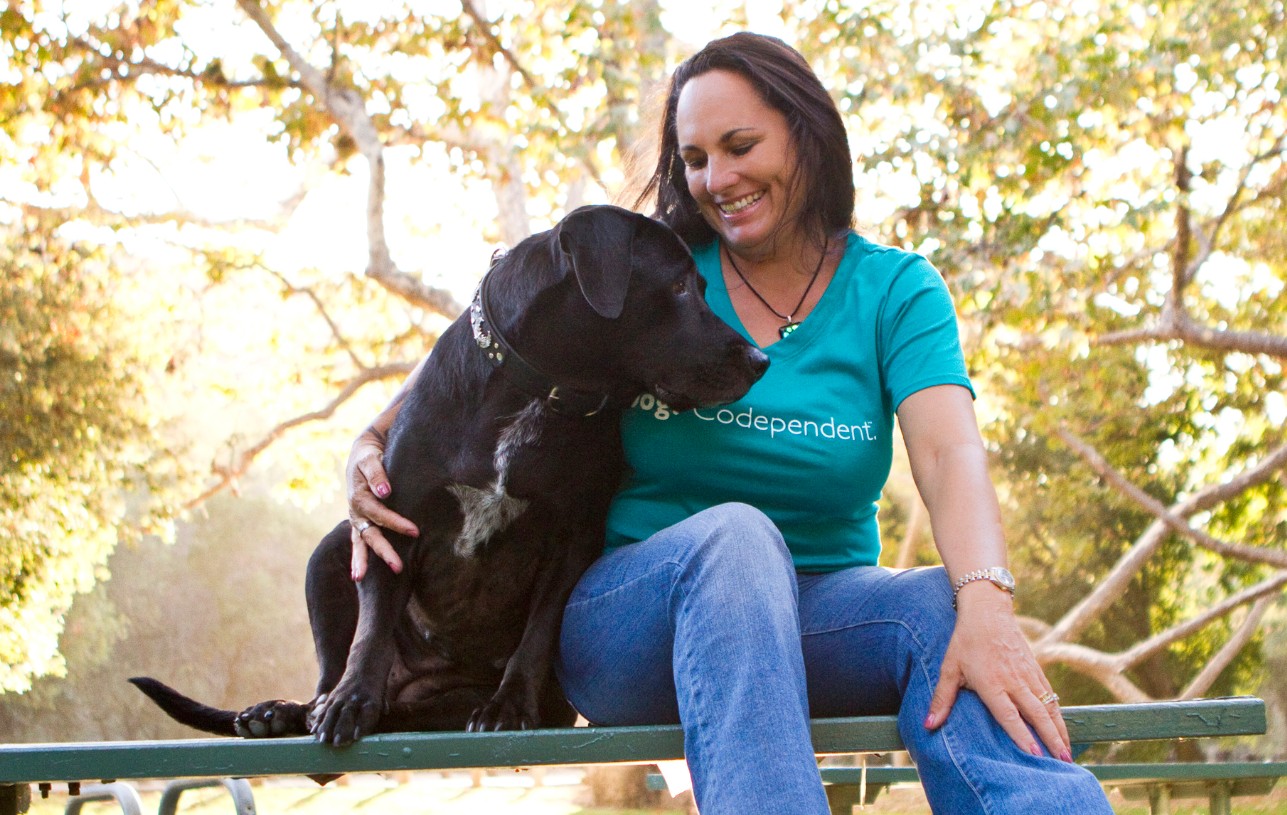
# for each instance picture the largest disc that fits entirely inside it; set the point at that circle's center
(362, 526)
(1048, 698)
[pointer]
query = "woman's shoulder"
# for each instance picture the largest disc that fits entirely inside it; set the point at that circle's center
(884, 268)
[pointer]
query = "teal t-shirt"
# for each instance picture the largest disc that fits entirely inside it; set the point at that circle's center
(811, 444)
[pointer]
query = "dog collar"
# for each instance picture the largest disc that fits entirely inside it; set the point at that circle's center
(502, 356)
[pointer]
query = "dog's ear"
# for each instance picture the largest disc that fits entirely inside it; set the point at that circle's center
(597, 245)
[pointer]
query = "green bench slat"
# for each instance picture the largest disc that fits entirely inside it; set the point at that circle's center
(299, 756)
(1117, 774)
(188, 758)
(1112, 773)
(1220, 771)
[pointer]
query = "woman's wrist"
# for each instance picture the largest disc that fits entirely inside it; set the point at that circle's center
(983, 596)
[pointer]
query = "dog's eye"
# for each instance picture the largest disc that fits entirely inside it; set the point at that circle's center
(680, 287)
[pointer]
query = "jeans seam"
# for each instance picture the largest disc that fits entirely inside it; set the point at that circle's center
(661, 564)
(696, 692)
(953, 749)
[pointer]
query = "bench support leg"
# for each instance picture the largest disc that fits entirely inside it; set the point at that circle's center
(15, 799)
(1219, 797)
(841, 799)
(126, 797)
(1159, 799)
(242, 798)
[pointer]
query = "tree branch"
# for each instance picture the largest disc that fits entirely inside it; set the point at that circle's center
(1216, 665)
(485, 28)
(1143, 650)
(1091, 663)
(322, 311)
(347, 110)
(1109, 669)
(537, 91)
(148, 66)
(1180, 326)
(1175, 322)
(1115, 582)
(1110, 588)
(1175, 520)
(226, 475)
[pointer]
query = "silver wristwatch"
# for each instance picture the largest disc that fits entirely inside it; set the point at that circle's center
(997, 576)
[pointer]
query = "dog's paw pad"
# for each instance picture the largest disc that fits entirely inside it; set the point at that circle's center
(269, 720)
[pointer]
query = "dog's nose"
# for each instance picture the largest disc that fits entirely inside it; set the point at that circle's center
(757, 361)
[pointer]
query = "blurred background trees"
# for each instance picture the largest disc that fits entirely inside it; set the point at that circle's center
(238, 228)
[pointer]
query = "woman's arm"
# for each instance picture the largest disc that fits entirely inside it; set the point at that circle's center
(368, 485)
(987, 653)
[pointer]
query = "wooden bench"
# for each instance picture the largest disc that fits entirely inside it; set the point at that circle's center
(22, 765)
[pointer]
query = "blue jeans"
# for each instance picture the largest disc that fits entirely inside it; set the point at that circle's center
(708, 624)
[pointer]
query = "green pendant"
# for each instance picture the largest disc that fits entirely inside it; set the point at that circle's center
(786, 330)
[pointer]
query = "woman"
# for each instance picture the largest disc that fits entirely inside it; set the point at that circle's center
(739, 594)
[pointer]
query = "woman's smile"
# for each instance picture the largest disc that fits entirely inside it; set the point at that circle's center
(741, 204)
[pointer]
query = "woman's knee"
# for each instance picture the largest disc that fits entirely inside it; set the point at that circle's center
(737, 530)
(736, 552)
(933, 586)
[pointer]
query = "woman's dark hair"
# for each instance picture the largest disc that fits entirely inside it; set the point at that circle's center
(785, 82)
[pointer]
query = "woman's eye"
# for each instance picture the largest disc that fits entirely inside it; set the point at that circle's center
(743, 149)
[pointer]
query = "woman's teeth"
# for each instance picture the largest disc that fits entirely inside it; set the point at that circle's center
(734, 207)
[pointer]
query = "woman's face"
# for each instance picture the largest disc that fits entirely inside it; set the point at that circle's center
(738, 160)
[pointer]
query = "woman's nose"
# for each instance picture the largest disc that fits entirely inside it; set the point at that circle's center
(720, 175)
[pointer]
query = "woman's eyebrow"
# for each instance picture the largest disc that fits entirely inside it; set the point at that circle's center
(733, 134)
(727, 137)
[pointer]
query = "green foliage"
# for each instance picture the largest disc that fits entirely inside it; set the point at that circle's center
(1081, 175)
(219, 614)
(71, 425)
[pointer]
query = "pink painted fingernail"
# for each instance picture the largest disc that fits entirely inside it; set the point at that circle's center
(931, 721)
(1066, 757)
(382, 490)
(1035, 750)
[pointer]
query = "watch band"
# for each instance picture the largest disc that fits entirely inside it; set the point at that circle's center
(996, 575)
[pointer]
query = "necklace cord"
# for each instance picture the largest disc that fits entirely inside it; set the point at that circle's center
(789, 319)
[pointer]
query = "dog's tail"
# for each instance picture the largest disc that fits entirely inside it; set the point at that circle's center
(187, 711)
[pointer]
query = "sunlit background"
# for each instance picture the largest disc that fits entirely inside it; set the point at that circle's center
(194, 324)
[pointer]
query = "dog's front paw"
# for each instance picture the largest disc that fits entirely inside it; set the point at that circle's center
(504, 711)
(272, 719)
(344, 716)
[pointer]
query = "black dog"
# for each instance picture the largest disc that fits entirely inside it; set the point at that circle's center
(505, 454)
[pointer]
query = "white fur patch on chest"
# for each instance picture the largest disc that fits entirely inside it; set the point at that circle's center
(491, 510)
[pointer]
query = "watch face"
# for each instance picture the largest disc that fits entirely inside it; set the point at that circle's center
(1002, 578)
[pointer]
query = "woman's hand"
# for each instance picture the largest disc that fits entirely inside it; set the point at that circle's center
(989, 655)
(368, 484)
